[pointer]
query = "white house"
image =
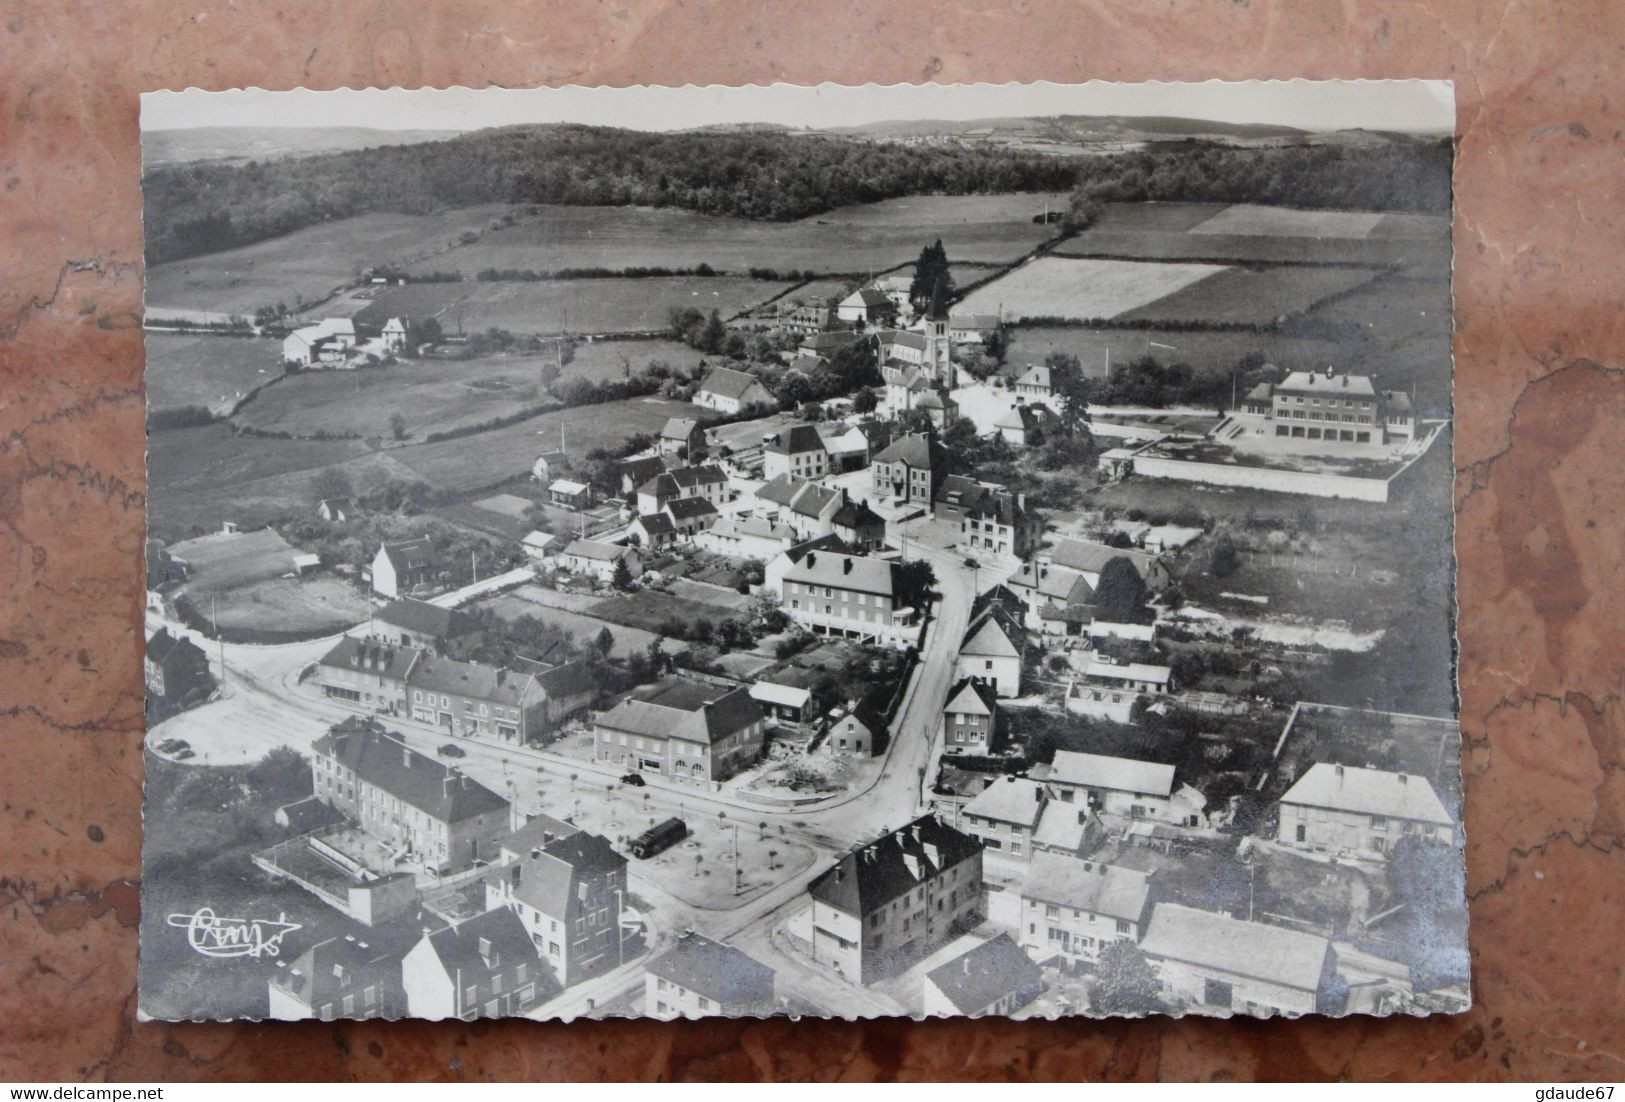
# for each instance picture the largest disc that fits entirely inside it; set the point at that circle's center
(400, 568)
(1071, 909)
(1126, 787)
(394, 335)
(746, 537)
(794, 450)
(597, 559)
(1348, 809)
(728, 391)
(329, 339)
(989, 655)
(1213, 960)
(864, 305)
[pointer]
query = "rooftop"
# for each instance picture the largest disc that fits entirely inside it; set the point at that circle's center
(1368, 792)
(981, 977)
(1121, 774)
(873, 875)
(684, 708)
(427, 619)
(1110, 890)
(719, 972)
(1218, 941)
(1009, 800)
(379, 757)
(855, 572)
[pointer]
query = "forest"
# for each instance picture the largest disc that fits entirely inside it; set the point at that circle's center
(198, 208)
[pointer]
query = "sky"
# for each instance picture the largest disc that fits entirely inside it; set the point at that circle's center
(1311, 105)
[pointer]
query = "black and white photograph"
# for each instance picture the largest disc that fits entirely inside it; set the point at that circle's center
(828, 551)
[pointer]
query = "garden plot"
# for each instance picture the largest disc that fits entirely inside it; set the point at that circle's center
(1083, 289)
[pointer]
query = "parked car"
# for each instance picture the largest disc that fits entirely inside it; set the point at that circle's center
(634, 779)
(182, 755)
(452, 750)
(171, 745)
(659, 838)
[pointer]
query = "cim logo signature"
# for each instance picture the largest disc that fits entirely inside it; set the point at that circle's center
(214, 936)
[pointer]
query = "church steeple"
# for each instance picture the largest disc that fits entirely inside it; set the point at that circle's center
(939, 351)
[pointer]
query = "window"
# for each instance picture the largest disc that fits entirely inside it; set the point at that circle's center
(1379, 823)
(1122, 926)
(705, 1003)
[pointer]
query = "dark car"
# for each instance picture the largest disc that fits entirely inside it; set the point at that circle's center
(452, 750)
(171, 745)
(634, 779)
(182, 755)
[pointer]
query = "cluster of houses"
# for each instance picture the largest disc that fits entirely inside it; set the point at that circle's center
(337, 343)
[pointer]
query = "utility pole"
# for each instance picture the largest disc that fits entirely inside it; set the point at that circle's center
(474, 564)
(220, 640)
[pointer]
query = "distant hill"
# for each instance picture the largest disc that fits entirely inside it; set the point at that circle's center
(1076, 129)
(238, 144)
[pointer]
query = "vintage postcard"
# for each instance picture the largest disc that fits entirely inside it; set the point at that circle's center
(837, 551)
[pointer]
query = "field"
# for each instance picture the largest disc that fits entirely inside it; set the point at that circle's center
(308, 264)
(1211, 231)
(573, 305)
(206, 371)
(1407, 324)
(1081, 289)
(474, 462)
(628, 640)
(318, 604)
(650, 609)
(857, 239)
(1250, 295)
(1215, 350)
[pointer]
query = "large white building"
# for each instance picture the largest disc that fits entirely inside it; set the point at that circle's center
(1072, 909)
(850, 597)
(1327, 411)
(1347, 809)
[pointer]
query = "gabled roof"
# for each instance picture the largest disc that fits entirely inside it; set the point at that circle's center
(1207, 939)
(1398, 401)
(969, 697)
(548, 879)
(703, 474)
(866, 296)
(641, 468)
(794, 440)
(410, 554)
(682, 708)
(1328, 384)
(1009, 800)
(597, 550)
(427, 619)
(661, 485)
(1126, 671)
(1368, 792)
(361, 653)
(813, 500)
(981, 977)
(656, 524)
(873, 875)
(538, 832)
(1024, 417)
(163, 648)
(725, 382)
(1059, 584)
(1092, 557)
(469, 679)
(781, 489)
(570, 679)
(719, 972)
(382, 759)
(336, 967)
(915, 449)
(484, 945)
(986, 637)
(1111, 890)
(679, 428)
(862, 711)
(1036, 375)
(687, 508)
(567, 486)
(905, 338)
(1120, 774)
(754, 527)
(785, 696)
(855, 572)
(981, 499)
(857, 515)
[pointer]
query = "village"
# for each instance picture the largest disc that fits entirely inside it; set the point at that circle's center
(894, 736)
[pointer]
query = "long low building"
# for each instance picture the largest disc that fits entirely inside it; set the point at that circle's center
(1211, 960)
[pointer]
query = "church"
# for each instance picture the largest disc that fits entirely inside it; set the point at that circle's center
(918, 366)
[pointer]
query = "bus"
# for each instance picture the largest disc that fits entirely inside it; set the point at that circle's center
(659, 838)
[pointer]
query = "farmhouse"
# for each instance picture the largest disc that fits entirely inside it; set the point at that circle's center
(339, 977)
(1023, 425)
(329, 341)
(684, 729)
(996, 978)
(990, 517)
(568, 894)
(970, 718)
(485, 967)
(728, 391)
(854, 728)
(885, 904)
(596, 559)
(408, 622)
(1125, 787)
(1207, 959)
(409, 566)
(177, 671)
(653, 530)
(698, 978)
(1071, 909)
(1347, 809)
(394, 335)
(864, 305)
(369, 672)
(992, 651)
(1036, 384)
(407, 800)
(850, 597)
(910, 470)
(682, 438)
(690, 514)
(794, 450)
(1089, 559)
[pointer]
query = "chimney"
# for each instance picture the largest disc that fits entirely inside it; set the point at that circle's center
(445, 785)
(406, 756)
(1403, 778)
(812, 557)
(1339, 770)
(1345, 380)
(965, 960)
(846, 565)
